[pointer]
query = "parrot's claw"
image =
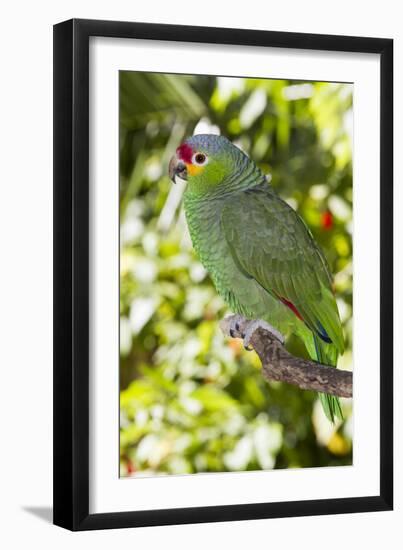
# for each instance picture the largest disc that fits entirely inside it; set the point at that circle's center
(234, 331)
(253, 326)
(234, 328)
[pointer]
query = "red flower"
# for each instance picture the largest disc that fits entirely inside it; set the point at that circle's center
(130, 467)
(326, 220)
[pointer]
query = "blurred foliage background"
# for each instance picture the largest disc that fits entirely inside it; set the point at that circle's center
(192, 401)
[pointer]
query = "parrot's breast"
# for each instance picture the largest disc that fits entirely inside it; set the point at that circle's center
(242, 293)
(204, 223)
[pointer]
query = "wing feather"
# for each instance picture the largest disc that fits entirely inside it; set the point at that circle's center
(270, 243)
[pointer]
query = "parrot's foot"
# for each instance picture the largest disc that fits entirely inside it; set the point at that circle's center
(252, 328)
(239, 327)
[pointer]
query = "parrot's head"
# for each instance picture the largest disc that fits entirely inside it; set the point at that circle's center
(205, 161)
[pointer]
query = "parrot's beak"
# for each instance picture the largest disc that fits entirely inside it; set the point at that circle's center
(177, 168)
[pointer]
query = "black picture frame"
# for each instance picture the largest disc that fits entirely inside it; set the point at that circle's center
(71, 273)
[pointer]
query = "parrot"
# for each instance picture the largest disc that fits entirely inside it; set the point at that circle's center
(260, 254)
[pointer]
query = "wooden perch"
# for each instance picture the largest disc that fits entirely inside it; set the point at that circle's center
(278, 364)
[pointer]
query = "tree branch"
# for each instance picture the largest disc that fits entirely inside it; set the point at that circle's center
(278, 364)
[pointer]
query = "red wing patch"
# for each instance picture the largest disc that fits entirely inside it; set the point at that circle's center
(292, 307)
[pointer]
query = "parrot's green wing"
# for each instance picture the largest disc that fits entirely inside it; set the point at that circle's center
(271, 243)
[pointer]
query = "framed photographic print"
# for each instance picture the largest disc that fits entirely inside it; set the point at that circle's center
(222, 266)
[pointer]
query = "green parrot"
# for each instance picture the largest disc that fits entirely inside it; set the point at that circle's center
(261, 256)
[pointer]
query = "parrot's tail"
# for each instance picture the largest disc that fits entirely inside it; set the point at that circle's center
(327, 355)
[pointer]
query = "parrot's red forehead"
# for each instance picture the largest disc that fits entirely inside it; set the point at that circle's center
(185, 153)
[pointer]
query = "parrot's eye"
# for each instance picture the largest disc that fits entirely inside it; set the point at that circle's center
(200, 159)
